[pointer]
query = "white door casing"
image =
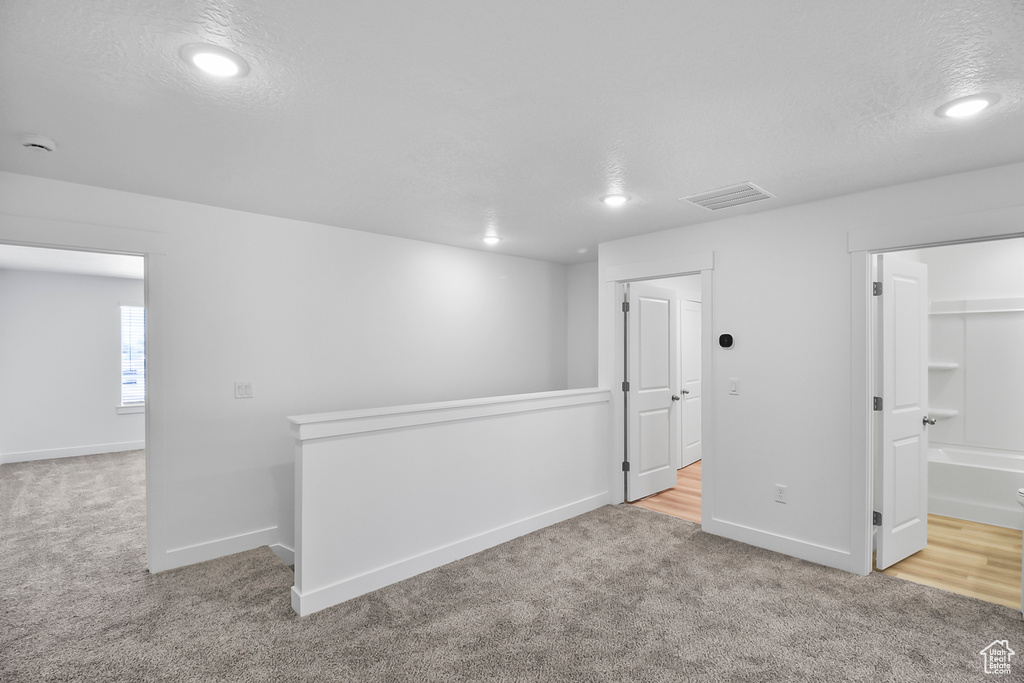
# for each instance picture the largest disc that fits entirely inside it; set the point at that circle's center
(689, 382)
(652, 426)
(903, 438)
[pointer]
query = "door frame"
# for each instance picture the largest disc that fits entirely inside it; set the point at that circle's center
(611, 326)
(29, 231)
(863, 245)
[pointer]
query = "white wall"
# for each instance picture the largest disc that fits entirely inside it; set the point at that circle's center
(986, 389)
(61, 365)
(980, 270)
(782, 286)
(317, 318)
(688, 286)
(582, 325)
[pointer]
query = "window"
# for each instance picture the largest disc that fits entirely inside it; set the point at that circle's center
(133, 355)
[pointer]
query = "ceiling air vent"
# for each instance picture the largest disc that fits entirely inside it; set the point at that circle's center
(725, 197)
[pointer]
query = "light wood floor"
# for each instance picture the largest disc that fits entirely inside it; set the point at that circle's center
(978, 560)
(968, 558)
(683, 500)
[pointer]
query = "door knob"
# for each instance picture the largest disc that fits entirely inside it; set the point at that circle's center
(686, 391)
(676, 398)
(927, 420)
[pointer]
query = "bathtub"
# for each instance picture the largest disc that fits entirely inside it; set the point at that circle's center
(976, 484)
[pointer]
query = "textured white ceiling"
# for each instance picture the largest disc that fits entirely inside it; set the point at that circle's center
(437, 120)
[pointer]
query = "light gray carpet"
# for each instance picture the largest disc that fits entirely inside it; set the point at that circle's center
(619, 594)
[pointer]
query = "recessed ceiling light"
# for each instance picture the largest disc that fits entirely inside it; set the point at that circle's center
(492, 240)
(965, 107)
(215, 60)
(615, 199)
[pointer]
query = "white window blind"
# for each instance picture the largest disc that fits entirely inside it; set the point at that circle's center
(133, 355)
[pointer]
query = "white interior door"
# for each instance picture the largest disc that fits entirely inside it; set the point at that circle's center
(689, 382)
(903, 441)
(651, 422)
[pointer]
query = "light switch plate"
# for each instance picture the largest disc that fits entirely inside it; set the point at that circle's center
(243, 390)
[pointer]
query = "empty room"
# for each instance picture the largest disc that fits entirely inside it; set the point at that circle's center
(423, 297)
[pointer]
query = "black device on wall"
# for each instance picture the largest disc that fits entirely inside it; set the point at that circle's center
(725, 341)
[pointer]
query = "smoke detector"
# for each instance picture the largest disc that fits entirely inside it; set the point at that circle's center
(38, 142)
(727, 197)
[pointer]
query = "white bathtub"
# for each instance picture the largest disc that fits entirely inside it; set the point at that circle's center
(976, 484)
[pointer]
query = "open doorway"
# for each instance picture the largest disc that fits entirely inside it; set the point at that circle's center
(947, 329)
(73, 346)
(72, 354)
(612, 354)
(663, 394)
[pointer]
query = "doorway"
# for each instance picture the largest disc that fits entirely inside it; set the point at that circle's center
(74, 347)
(662, 387)
(948, 449)
(612, 349)
(683, 498)
(74, 357)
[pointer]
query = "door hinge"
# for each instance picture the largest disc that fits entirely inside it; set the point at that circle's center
(876, 518)
(876, 404)
(625, 307)
(876, 288)
(625, 386)
(625, 466)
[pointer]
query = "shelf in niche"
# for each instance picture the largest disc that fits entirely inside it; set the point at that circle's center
(942, 414)
(1013, 305)
(943, 366)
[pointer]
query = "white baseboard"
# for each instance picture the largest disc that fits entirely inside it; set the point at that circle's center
(210, 550)
(976, 512)
(812, 552)
(284, 553)
(321, 598)
(51, 453)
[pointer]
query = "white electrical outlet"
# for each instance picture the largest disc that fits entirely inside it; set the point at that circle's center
(243, 390)
(780, 493)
